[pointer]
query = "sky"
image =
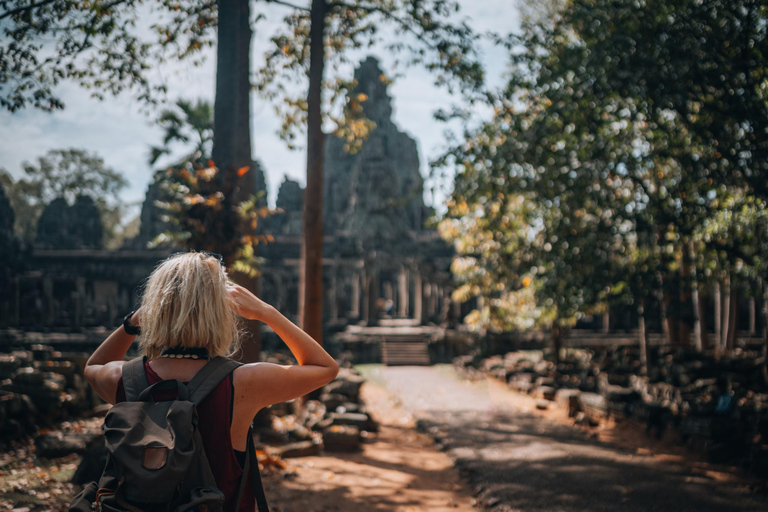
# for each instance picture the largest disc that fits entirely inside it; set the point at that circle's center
(118, 130)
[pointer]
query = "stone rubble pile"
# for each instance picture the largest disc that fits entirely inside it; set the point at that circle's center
(718, 408)
(40, 387)
(335, 421)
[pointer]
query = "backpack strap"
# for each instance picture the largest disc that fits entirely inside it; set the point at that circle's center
(256, 485)
(209, 376)
(134, 378)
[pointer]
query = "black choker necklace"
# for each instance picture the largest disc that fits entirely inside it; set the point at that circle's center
(185, 353)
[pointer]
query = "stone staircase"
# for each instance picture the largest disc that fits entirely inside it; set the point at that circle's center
(404, 351)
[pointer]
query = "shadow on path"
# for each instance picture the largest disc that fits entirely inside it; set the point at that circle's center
(518, 461)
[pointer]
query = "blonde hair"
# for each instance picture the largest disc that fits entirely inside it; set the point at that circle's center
(185, 304)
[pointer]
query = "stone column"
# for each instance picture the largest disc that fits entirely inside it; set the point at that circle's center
(445, 307)
(355, 312)
(417, 296)
(426, 299)
(334, 289)
(372, 280)
(79, 302)
(402, 288)
(48, 297)
(432, 304)
(606, 321)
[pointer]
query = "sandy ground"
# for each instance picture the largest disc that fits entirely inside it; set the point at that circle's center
(516, 458)
(399, 469)
(494, 451)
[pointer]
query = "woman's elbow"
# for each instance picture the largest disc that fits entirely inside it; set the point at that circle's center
(333, 371)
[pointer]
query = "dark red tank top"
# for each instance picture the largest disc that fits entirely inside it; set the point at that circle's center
(214, 422)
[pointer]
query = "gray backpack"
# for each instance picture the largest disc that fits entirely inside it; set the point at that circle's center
(156, 461)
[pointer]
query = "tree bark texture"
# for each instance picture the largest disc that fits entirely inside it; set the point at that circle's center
(311, 274)
(232, 130)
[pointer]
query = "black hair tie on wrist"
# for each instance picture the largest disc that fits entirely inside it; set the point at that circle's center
(185, 353)
(133, 330)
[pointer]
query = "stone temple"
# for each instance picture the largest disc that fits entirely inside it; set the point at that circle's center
(381, 264)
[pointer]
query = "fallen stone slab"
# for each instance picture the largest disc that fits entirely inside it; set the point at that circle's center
(332, 400)
(301, 449)
(593, 405)
(568, 399)
(545, 392)
(341, 438)
(349, 418)
(348, 387)
(348, 407)
(55, 445)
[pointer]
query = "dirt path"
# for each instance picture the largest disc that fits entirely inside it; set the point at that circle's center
(519, 461)
(398, 470)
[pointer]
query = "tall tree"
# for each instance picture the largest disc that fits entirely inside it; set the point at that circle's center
(311, 273)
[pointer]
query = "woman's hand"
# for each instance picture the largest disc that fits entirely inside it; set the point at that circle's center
(136, 318)
(246, 304)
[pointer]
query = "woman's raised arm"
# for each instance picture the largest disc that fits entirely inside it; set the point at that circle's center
(105, 366)
(269, 383)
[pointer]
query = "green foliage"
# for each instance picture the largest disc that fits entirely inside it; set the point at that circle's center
(186, 123)
(424, 34)
(201, 208)
(66, 173)
(636, 134)
(100, 44)
(199, 201)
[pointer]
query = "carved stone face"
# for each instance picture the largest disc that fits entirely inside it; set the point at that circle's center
(372, 82)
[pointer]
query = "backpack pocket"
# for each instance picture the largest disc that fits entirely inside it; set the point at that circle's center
(204, 499)
(83, 502)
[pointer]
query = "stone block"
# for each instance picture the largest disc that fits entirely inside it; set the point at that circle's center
(545, 392)
(306, 448)
(348, 387)
(54, 445)
(332, 400)
(341, 438)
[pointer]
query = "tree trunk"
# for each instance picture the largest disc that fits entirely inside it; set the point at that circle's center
(705, 341)
(718, 317)
(763, 294)
(557, 342)
(663, 314)
(697, 336)
(232, 130)
(642, 339)
(311, 276)
(671, 320)
(726, 315)
(733, 322)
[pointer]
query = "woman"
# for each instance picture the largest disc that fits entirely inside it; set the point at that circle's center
(189, 313)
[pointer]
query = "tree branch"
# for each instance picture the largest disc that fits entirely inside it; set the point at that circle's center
(25, 8)
(288, 4)
(387, 14)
